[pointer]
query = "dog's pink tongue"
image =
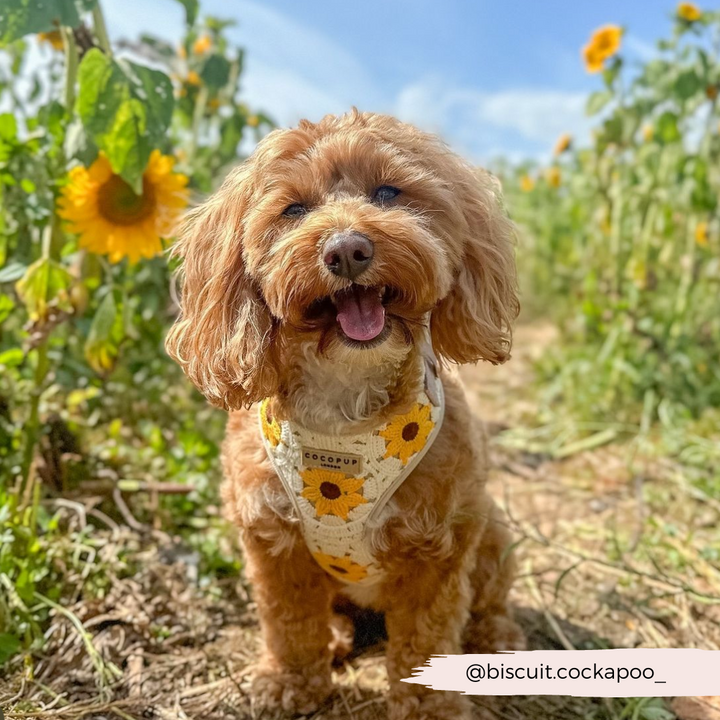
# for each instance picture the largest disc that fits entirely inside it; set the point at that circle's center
(360, 312)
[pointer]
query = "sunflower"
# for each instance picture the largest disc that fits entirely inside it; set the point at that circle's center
(270, 426)
(701, 234)
(112, 219)
(343, 568)
(331, 492)
(553, 177)
(52, 38)
(407, 434)
(527, 184)
(593, 60)
(604, 43)
(193, 78)
(563, 143)
(202, 45)
(689, 12)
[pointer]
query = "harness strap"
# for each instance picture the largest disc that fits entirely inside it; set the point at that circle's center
(340, 484)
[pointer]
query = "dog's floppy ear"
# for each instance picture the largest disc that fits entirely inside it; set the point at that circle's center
(474, 321)
(223, 337)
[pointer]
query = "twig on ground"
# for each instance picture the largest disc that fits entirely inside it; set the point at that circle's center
(535, 592)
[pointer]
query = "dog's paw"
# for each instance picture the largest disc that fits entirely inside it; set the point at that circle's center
(438, 706)
(494, 633)
(275, 692)
(343, 631)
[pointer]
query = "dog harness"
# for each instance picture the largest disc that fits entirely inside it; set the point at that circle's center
(339, 484)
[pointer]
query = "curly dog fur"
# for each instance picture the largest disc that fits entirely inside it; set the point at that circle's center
(258, 321)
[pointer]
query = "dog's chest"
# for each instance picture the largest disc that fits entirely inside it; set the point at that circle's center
(332, 395)
(340, 486)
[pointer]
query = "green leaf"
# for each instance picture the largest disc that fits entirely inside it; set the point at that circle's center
(687, 84)
(9, 645)
(613, 130)
(126, 109)
(612, 71)
(6, 307)
(22, 17)
(45, 286)
(215, 72)
(8, 127)
(106, 334)
(597, 101)
(656, 712)
(12, 357)
(667, 128)
(191, 10)
(77, 145)
(162, 48)
(12, 271)
(231, 133)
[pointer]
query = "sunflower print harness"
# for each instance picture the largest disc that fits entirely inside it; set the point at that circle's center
(339, 485)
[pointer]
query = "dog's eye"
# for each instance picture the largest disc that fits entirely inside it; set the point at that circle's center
(294, 210)
(385, 194)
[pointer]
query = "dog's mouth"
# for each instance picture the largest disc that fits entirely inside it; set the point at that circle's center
(358, 311)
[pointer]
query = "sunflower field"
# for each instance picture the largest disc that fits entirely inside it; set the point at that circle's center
(101, 148)
(621, 240)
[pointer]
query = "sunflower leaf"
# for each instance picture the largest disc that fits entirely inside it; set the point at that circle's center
(667, 128)
(216, 72)
(105, 335)
(597, 101)
(45, 286)
(6, 307)
(126, 109)
(9, 645)
(22, 17)
(191, 10)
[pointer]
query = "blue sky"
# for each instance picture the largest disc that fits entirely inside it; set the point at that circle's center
(493, 78)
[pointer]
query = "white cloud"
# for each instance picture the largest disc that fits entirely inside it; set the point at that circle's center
(302, 71)
(514, 123)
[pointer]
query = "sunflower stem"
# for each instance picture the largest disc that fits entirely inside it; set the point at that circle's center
(71, 67)
(200, 105)
(100, 28)
(29, 494)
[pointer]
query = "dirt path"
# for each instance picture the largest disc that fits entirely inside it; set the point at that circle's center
(611, 548)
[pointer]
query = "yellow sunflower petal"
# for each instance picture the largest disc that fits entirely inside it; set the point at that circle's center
(689, 11)
(270, 426)
(407, 434)
(342, 568)
(111, 219)
(331, 492)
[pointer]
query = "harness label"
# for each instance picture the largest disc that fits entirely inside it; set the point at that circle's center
(332, 460)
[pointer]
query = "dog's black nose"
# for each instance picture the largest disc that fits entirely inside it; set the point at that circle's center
(348, 254)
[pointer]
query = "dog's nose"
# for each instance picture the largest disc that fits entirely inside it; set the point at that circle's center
(348, 254)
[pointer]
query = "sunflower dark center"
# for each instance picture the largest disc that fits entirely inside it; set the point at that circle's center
(330, 490)
(119, 204)
(410, 431)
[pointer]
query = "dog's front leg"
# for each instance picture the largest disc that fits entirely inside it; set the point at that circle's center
(428, 607)
(293, 597)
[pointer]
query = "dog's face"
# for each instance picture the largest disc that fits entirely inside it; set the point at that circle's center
(343, 236)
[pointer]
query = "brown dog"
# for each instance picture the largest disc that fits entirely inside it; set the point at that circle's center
(323, 278)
